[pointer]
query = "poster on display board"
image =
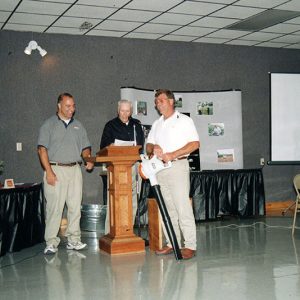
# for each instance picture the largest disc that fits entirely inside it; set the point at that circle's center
(217, 116)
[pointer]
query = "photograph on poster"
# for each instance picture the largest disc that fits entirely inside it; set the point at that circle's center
(225, 155)
(215, 129)
(141, 108)
(178, 100)
(205, 108)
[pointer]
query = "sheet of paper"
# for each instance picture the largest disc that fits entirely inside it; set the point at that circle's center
(123, 143)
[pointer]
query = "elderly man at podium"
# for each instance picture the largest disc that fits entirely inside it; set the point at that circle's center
(172, 138)
(124, 130)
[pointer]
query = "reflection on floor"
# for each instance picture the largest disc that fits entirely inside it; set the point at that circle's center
(236, 259)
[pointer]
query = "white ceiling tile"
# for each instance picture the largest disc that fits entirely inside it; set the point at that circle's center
(271, 45)
(8, 5)
(282, 28)
(155, 5)
(287, 39)
(24, 27)
(218, 1)
(226, 33)
(241, 43)
(22, 18)
(108, 3)
(210, 40)
(90, 11)
(291, 5)
(237, 12)
(196, 8)
(134, 15)
(260, 3)
(106, 33)
(176, 19)
(4, 15)
(47, 8)
(157, 28)
(137, 35)
(58, 1)
(74, 21)
(118, 25)
(294, 46)
(193, 31)
(180, 38)
(66, 30)
(214, 22)
(260, 36)
(293, 21)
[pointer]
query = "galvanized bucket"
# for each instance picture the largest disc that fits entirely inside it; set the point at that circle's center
(93, 217)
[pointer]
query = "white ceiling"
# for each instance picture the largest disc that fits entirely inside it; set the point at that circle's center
(176, 20)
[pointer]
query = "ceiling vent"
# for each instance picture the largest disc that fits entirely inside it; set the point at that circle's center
(85, 26)
(265, 19)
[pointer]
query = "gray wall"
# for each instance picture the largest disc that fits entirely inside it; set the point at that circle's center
(94, 68)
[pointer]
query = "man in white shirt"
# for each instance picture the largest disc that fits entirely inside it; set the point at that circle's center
(172, 138)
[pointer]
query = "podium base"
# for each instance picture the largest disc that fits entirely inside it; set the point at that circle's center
(121, 245)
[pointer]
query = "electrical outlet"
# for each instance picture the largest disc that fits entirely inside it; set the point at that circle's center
(262, 161)
(19, 146)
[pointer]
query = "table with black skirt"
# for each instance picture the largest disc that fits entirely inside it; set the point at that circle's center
(22, 217)
(218, 193)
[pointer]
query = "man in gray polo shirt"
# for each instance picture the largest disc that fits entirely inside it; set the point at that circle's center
(62, 144)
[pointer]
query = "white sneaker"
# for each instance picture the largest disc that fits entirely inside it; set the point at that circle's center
(50, 249)
(76, 246)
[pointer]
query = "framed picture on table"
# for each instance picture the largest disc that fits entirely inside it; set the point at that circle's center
(9, 184)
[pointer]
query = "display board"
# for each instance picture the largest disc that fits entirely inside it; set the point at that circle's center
(217, 116)
(285, 127)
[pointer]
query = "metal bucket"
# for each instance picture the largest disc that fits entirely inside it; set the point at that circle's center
(93, 217)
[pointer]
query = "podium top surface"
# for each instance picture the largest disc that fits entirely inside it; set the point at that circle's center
(119, 151)
(116, 153)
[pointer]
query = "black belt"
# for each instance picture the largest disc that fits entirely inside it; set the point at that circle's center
(65, 165)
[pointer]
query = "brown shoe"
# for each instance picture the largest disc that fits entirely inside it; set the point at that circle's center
(187, 253)
(164, 251)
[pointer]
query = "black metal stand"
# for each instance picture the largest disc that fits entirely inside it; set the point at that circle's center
(167, 222)
(140, 194)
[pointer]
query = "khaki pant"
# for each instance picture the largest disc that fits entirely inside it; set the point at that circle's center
(68, 189)
(175, 187)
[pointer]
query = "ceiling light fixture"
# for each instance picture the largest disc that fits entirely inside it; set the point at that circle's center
(33, 45)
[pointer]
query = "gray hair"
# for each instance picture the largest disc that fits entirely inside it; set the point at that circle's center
(123, 101)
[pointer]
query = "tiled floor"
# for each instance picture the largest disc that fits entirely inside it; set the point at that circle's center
(236, 259)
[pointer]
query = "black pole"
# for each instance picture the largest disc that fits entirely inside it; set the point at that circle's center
(167, 221)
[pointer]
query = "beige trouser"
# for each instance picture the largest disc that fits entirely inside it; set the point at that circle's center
(68, 189)
(136, 184)
(175, 186)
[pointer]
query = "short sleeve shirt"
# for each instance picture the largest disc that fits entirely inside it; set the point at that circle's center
(173, 133)
(64, 142)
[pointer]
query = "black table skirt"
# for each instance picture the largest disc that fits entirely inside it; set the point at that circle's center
(22, 217)
(221, 192)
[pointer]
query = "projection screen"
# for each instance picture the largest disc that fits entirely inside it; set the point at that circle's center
(285, 121)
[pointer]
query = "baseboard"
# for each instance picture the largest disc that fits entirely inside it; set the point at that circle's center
(279, 208)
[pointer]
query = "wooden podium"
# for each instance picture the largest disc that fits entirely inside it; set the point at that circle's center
(119, 160)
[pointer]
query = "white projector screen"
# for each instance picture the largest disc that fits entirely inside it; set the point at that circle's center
(285, 124)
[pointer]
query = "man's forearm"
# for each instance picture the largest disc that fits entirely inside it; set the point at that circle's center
(149, 149)
(44, 159)
(86, 153)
